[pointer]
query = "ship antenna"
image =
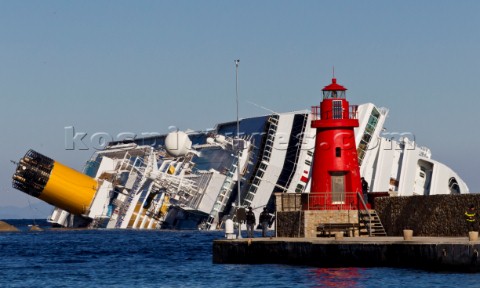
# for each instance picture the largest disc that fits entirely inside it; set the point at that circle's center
(238, 152)
(333, 71)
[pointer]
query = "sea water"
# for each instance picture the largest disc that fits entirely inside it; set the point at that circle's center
(127, 258)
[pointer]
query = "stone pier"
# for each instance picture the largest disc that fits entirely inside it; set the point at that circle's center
(429, 253)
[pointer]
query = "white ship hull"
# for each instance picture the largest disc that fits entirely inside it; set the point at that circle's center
(146, 187)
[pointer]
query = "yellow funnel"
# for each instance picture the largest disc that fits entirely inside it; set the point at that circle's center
(54, 183)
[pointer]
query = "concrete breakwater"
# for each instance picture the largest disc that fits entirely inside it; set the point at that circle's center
(435, 215)
(430, 253)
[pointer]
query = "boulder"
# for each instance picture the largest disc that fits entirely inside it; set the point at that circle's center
(5, 227)
(35, 228)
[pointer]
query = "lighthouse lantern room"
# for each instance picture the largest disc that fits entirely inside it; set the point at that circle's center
(335, 171)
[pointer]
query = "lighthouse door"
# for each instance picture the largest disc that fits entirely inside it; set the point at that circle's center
(338, 187)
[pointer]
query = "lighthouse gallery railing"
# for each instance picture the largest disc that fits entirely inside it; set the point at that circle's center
(317, 113)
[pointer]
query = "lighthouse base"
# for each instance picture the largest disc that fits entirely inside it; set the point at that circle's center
(309, 223)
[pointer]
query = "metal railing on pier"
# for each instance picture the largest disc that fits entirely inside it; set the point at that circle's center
(332, 201)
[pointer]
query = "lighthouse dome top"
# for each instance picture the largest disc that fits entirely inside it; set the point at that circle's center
(334, 90)
(334, 86)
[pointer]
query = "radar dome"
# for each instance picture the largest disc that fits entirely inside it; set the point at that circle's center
(177, 143)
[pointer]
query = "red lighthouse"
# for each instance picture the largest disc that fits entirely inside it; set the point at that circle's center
(335, 174)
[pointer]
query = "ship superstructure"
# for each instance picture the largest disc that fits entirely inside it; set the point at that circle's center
(188, 180)
(395, 162)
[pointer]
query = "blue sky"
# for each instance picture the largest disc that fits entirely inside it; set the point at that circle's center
(142, 66)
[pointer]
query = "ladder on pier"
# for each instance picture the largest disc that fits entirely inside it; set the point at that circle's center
(370, 224)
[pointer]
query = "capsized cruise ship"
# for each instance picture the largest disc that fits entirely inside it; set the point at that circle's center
(189, 180)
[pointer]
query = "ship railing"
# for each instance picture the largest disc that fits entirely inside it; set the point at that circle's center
(317, 114)
(126, 204)
(265, 159)
(224, 194)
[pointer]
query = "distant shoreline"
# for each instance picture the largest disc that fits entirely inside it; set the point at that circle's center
(23, 224)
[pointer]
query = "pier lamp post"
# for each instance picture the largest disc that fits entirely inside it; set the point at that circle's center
(238, 152)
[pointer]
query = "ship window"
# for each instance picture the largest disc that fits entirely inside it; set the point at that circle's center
(299, 188)
(373, 120)
(369, 129)
(308, 162)
(263, 166)
(361, 155)
(366, 138)
(310, 153)
(453, 186)
(91, 168)
(363, 145)
(338, 152)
